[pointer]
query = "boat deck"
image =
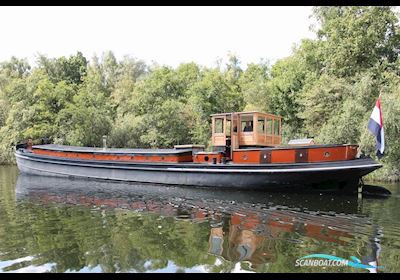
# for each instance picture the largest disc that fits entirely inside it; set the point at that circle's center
(76, 149)
(85, 153)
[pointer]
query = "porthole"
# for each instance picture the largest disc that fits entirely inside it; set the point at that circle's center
(327, 154)
(245, 157)
(206, 158)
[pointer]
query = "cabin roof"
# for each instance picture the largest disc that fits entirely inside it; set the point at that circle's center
(246, 112)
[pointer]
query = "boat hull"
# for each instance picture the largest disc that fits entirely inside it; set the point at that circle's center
(335, 175)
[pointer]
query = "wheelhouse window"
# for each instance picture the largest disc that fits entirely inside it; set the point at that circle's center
(268, 126)
(219, 125)
(247, 123)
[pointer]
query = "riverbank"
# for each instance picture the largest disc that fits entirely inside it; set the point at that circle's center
(386, 174)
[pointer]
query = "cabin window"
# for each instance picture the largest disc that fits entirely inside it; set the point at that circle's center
(276, 127)
(261, 125)
(246, 123)
(219, 125)
(247, 126)
(268, 126)
(228, 127)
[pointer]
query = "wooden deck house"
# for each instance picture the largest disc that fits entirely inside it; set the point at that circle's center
(237, 130)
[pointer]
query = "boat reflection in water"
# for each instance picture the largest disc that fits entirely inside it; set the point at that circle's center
(251, 228)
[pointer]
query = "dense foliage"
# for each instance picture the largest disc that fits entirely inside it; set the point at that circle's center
(326, 90)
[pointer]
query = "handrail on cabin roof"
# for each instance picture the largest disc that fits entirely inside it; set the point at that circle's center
(243, 113)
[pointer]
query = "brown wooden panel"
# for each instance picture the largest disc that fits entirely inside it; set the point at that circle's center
(219, 140)
(327, 154)
(243, 156)
(283, 156)
(207, 157)
(246, 139)
(111, 157)
(269, 140)
(261, 140)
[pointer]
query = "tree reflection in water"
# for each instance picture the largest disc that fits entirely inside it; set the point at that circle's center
(79, 225)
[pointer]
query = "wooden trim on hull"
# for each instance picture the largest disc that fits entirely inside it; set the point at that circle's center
(184, 157)
(202, 167)
(311, 154)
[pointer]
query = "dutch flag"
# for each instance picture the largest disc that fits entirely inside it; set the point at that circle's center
(375, 125)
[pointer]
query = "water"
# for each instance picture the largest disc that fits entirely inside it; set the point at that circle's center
(70, 225)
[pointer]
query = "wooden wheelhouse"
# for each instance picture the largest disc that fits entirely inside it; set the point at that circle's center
(231, 131)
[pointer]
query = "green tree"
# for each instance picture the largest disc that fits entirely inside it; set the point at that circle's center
(87, 118)
(254, 87)
(71, 70)
(357, 38)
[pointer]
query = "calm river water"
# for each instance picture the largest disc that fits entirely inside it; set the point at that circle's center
(70, 225)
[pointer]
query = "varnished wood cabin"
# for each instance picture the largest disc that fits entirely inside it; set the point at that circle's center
(256, 138)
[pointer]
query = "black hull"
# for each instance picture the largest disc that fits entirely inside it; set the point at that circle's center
(343, 175)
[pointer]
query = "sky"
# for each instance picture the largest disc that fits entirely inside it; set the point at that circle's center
(165, 35)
